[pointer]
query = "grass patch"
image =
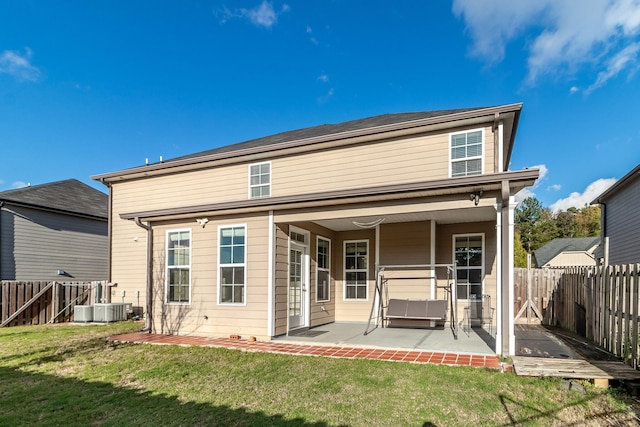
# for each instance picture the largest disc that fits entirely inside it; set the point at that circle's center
(69, 375)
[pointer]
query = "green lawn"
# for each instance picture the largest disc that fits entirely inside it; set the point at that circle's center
(66, 375)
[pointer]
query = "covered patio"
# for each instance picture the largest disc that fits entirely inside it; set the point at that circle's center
(470, 341)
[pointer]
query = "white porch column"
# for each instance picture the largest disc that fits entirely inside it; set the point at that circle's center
(271, 278)
(499, 312)
(511, 314)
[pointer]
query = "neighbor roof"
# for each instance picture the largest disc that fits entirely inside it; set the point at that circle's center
(69, 196)
(555, 247)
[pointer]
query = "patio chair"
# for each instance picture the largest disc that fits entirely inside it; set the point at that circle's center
(479, 310)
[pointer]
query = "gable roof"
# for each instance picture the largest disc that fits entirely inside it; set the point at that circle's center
(329, 129)
(629, 178)
(335, 132)
(68, 196)
(555, 247)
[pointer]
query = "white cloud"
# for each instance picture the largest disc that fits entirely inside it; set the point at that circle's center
(323, 78)
(627, 57)
(560, 36)
(19, 65)
(573, 90)
(530, 191)
(580, 200)
(263, 15)
(554, 187)
(19, 184)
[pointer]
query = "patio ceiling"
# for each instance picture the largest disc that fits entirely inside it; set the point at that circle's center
(452, 216)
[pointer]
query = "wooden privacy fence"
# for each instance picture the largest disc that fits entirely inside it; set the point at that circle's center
(37, 303)
(599, 303)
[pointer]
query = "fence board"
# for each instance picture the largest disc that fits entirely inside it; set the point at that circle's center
(603, 303)
(14, 295)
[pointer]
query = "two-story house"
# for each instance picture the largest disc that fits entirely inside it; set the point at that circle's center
(620, 220)
(289, 231)
(54, 231)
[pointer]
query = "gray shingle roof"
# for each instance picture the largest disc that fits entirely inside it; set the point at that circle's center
(329, 129)
(70, 196)
(552, 249)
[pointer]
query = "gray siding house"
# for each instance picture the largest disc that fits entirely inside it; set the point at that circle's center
(56, 231)
(620, 220)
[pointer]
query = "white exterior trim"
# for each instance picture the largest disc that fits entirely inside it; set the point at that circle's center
(270, 278)
(249, 187)
(306, 295)
(219, 265)
(499, 313)
(318, 238)
(344, 270)
(481, 157)
(165, 297)
(432, 258)
(484, 250)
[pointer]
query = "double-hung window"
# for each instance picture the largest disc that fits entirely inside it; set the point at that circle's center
(232, 251)
(324, 272)
(260, 180)
(355, 270)
(469, 256)
(466, 153)
(178, 266)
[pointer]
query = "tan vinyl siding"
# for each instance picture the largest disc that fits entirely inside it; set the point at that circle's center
(36, 244)
(407, 244)
(282, 278)
(353, 310)
(203, 316)
(623, 225)
(567, 259)
(414, 159)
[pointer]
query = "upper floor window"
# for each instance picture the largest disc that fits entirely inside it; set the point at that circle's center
(466, 153)
(260, 180)
(178, 266)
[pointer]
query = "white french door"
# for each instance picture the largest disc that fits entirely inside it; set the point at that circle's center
(298, 286)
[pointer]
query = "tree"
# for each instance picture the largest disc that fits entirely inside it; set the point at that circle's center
(519, 254)
(535, 224)
(588, 220)
(566, 223)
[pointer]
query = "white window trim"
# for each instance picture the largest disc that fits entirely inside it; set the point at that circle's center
(344, 271)
(220, 265)
(318, 269)
(166, 266)
(481, 157)
(260, 185)
(453, 243)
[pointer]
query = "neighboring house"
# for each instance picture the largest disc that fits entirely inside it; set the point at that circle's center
(569, 252)
(620, 220)
(284, 232)
(56, 231)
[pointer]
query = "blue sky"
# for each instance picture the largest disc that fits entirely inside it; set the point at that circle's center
(100, 86)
